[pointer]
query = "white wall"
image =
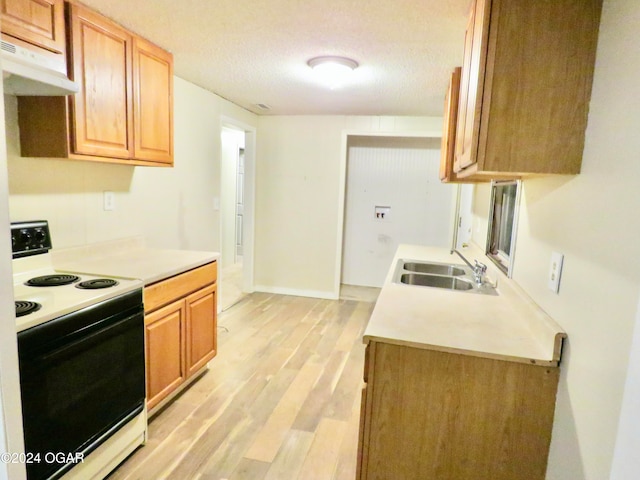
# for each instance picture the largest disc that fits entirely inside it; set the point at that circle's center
(593, 219)
(403, 174)
(170, 207)
(11, 435)
(299, 194)
(626, 461)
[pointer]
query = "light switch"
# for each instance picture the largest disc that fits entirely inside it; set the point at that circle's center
(555, 271)
(109, 201)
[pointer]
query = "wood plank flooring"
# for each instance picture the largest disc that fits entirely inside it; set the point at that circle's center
(281, 400)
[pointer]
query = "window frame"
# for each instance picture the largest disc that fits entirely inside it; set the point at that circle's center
(500, 258)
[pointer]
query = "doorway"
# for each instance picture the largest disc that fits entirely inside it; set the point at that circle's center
(233, 224)
(393, 196)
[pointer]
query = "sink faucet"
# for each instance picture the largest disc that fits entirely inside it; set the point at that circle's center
(479, 269)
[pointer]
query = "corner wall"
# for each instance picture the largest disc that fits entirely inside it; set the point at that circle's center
(591, 218)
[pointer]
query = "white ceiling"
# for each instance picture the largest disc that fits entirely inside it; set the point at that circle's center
(255, 51)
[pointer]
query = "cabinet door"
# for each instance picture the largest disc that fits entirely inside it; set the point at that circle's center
(165, 362)
(447, 150)
(101, 64)
(201, 328)
(471, 85)
(153, 102)
(38, 22)
(364, 414)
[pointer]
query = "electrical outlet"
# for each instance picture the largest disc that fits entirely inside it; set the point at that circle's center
(555, 272)
(109, 201)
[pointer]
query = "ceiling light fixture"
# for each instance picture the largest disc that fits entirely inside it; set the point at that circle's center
(333, 71)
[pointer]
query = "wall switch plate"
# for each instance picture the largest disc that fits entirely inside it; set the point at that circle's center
(109, 201)
(555, 272)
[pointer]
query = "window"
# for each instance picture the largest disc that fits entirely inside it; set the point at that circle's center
(503, 221)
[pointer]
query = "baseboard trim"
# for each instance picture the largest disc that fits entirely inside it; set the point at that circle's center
(297, 292)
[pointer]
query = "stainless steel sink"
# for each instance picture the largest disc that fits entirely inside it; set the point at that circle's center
(446, 276)
(434, 268)
(452, 283)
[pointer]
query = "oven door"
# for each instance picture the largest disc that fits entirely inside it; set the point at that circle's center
(81, 376)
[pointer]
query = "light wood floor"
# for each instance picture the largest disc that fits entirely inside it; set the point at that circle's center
(280, 401)
(230, 285)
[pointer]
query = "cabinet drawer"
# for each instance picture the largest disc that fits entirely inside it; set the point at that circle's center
(166, 291)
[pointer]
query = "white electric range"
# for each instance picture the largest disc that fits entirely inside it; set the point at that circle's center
(81, 358)
(43, 293)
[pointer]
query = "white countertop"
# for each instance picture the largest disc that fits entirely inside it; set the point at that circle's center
(130, 258)
(509, 326)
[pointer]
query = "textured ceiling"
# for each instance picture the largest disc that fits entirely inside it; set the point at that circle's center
(255, 51)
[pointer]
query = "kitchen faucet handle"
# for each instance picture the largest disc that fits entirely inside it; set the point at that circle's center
(480, 267)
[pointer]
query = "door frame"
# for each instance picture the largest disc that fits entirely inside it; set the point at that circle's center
(344, 152)
(248, 219)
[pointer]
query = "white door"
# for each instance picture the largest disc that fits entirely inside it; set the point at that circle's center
(239, 203)
(394, 195)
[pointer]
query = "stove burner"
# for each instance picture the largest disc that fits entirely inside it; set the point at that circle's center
(24, 307)
(97, 283)
(52, 280)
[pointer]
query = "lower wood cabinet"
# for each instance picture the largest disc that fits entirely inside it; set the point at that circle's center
(446, 416)
(180, 331)
(164, 337)
(201, 331)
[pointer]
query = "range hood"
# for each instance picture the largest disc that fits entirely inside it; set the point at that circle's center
(26, 73)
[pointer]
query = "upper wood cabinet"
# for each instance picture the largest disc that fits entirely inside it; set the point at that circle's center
(447, 149)
(525, 87)
(471, 83)
(123, 112)
(449, 137)
(102, 111)
(153, 102)
(38, 23)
